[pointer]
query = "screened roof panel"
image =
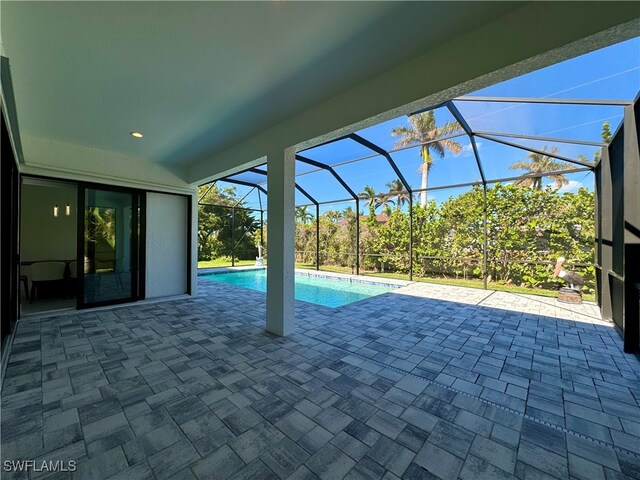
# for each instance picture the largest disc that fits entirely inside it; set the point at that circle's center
(381, 134)
(302, 168)
(568, 150)
(301, 199)
(322, 186)
(248, 195)
(249, 177)
(548, 103)
(451, 169)
(498, 160)
(566, 121)
(374, 172)
(337, 152)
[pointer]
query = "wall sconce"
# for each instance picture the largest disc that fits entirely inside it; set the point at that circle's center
(55, 210)
(67, 210)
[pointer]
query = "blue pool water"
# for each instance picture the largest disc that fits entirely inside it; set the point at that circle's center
(325, 291)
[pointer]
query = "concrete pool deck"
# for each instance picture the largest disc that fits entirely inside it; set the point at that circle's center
(426, 381)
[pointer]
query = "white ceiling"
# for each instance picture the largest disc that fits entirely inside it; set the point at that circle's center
(198, 77)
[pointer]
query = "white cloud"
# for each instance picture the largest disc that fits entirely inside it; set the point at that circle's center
(572, 187)
(469, 149)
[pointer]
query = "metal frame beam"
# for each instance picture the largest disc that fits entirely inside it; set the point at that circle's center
(245, 196)
(467, 129)
(353, 194)
(230, 206)
(541, 139)
(535, 150)
(329, 169)
(308, 196)
(359, 159)
(246, 184)
(485, 245)
(380, 151)
(207, 191)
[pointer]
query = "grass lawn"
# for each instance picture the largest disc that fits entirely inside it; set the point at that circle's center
(224, 262)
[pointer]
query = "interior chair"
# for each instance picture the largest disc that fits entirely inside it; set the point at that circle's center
(43, 272)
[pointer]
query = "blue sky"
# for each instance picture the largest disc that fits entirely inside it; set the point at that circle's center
(611, 73)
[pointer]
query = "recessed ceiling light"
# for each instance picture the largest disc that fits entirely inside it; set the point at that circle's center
(136, 134)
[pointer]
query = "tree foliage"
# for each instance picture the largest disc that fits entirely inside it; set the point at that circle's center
(527, 230)
(224, 226)
(537, 164)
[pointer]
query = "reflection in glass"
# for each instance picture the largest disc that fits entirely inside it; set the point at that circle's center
(107, 246)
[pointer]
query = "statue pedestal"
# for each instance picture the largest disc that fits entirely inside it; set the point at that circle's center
(569, 295)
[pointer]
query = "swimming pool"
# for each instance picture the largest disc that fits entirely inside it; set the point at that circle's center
(321, 290)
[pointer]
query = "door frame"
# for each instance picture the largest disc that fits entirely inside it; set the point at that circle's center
(137, 244)
(10, 227)
(140, 282)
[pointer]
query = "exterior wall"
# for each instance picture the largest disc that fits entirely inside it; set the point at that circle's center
(166, 246)
(77, 162)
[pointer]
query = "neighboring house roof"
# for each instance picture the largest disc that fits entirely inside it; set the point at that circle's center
(381, 218)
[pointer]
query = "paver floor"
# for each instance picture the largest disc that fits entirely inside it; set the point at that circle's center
(423, 382)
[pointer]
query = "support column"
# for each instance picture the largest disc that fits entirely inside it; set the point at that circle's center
(233, 237)
(485, 238)
(410, 236)
(317, 236)
(281, 235)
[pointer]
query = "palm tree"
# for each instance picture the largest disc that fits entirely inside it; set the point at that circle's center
(397, 190)
(370, 194)
(332, 215)
(425, 132)
(385, 201)
(302, 215)
(538, 164)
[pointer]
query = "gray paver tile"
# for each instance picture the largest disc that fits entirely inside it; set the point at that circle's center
(386, 424)
(284, 458)
(477, 469)
(494, 453)
(104, 465)
(173, 459)
(391, 455)
(543, 460)
(439, 462)
(253, 442)
(329, 463)
(218, 465)
(176, 384)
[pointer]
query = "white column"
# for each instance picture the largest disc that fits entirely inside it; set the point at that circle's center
(280, 242)
(194, 243)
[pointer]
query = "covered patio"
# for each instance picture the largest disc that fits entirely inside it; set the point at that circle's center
(141, 104)
(402, 385)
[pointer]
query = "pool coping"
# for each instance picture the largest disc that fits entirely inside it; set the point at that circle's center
(392, 282)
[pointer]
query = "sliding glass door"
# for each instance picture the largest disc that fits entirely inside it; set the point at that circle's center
(108, 249)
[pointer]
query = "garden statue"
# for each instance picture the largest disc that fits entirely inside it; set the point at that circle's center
(573, 293)
(259, 260)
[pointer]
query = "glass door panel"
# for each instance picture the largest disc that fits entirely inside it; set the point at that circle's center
(108, 247)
